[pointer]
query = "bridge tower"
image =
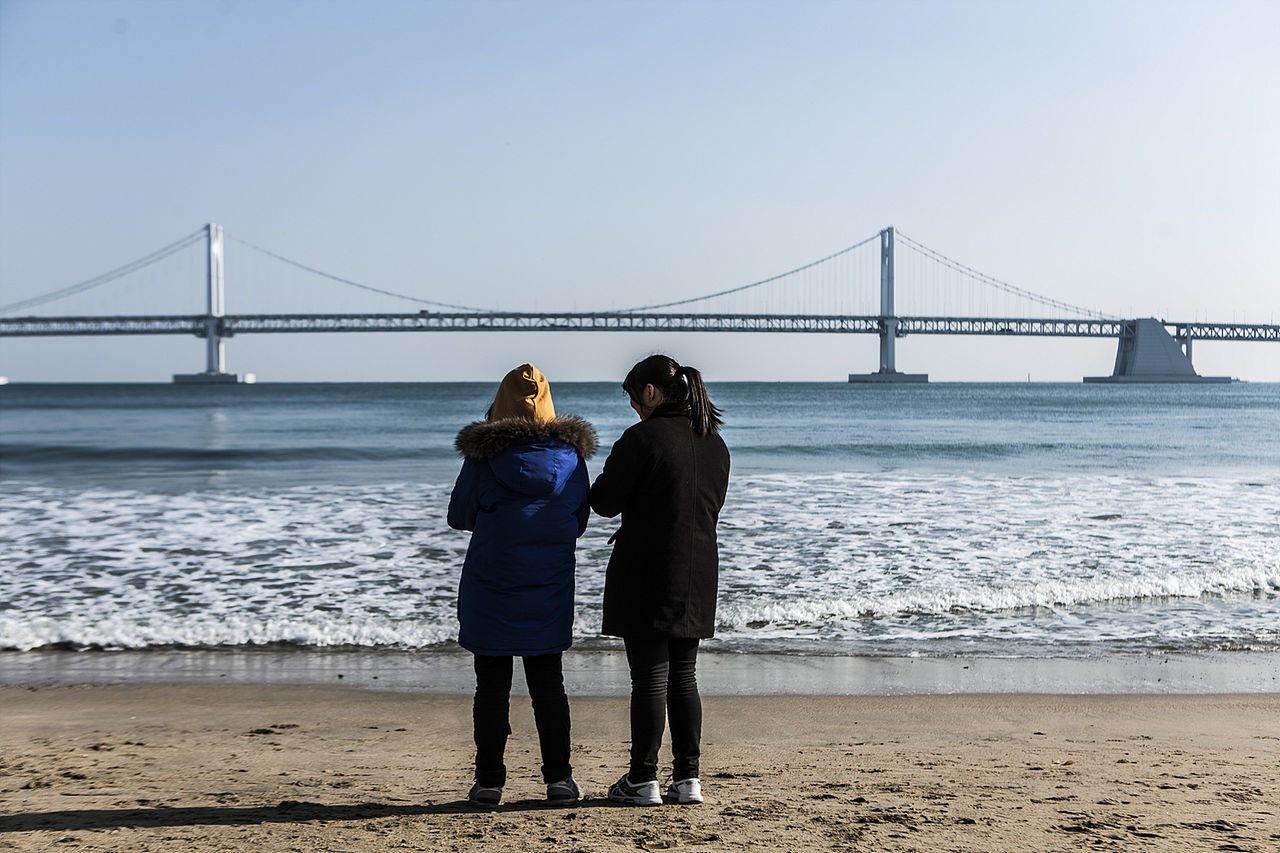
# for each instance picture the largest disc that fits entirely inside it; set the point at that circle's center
(889, 332)
(215, 371)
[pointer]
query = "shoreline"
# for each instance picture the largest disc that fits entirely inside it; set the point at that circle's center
(604, 672)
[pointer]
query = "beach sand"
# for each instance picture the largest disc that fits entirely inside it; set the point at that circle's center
(209, 767)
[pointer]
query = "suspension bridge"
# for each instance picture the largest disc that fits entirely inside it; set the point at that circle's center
(846, 283)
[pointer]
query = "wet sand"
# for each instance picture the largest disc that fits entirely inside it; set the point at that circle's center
(213, 767)
(604, 672)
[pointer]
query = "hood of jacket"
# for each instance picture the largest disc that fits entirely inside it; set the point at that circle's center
(529, 456)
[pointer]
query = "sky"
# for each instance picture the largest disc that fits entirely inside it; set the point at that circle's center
(585, 155)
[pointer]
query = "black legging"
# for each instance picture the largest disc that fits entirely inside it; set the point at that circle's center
(492, 725)
(664, 681)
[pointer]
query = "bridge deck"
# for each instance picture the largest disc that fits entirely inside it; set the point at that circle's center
(237, 324)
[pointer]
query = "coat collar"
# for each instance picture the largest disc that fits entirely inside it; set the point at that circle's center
(483, 439)
(670, 410)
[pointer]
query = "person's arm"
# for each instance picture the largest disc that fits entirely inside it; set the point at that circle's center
(583, 483)
(613, 488)
(464, 502)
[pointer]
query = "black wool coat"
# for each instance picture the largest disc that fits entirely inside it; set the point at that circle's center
(669, 484)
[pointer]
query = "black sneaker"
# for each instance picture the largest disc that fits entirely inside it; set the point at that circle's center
(485, 798)
(563, 792)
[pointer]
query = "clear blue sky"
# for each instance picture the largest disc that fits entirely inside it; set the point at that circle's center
(560, 155)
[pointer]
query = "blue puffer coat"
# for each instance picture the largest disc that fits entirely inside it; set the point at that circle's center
(523, 493)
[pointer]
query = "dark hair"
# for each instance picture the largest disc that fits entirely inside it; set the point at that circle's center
(680, 385)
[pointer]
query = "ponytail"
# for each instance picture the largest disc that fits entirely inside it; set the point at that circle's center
(703, 414)
(677, 384)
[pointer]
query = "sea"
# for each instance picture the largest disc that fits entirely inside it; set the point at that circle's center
(1021, 522)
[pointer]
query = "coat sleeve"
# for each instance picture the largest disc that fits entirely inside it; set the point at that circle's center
(464, 502)
(581, 484)
(612, 490)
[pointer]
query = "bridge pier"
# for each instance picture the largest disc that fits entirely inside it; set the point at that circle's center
(1148, 353)
(889, 332)
(215, 371)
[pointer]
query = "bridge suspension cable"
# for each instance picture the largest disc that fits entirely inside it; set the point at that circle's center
(969, 271)
(104, 278)
(357, 284)
(743, 287)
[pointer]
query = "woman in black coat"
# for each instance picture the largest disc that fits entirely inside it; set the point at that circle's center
(667, 476)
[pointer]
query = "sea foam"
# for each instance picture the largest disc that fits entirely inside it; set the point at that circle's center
(850, 562)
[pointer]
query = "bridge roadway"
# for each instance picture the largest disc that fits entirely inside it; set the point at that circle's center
(510, 321)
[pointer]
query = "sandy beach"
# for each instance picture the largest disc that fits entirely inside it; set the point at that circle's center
(207, 767)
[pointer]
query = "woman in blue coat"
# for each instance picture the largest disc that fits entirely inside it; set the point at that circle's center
(522, 492)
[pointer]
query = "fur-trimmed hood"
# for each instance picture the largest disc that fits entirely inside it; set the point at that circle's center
(483, 439)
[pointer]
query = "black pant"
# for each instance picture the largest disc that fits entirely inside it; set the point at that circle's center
(492, 724)
(664, 681)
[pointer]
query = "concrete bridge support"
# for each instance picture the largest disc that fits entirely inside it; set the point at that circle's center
(889, 333)
(1148, 353)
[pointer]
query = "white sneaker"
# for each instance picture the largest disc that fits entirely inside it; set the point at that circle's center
(686, 792)
(643, 794)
